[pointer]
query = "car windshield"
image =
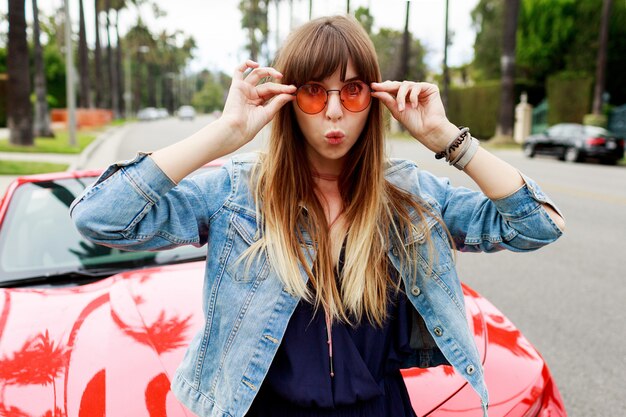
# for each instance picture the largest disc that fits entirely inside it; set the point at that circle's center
(38, 238)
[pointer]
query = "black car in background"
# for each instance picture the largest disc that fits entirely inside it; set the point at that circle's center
(574, 142)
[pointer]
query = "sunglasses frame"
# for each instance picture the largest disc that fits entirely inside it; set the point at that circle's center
(340, 99)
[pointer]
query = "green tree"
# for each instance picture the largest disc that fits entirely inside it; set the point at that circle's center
(54, 60)
(210, 97)
(157, 61)
(388, 44)
(254, 20)
(365, 18)
(488, 21)
(546, 29)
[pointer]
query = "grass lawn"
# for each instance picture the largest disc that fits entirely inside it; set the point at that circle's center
(27, 167)
(58, 144)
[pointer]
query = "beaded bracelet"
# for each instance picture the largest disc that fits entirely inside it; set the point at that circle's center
(453, 144)
(465, 154)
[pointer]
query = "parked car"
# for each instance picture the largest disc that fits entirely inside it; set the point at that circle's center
(575, 142)
(148, 114)
(81, 323)
(186, 113)
(162, 113)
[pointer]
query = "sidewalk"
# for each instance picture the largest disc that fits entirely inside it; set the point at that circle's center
(97, 155)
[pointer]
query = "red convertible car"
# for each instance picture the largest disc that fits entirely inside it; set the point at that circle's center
(93, 331)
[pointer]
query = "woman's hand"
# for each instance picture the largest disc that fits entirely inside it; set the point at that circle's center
(419, 108)
(251, 105)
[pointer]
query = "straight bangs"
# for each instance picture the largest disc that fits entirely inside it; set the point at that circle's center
(320, 49)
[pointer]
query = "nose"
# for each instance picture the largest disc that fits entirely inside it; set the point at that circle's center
(334, 108)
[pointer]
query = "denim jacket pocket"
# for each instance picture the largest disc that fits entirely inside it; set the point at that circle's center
(242, 234)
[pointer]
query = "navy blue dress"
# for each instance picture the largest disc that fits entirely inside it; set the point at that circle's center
(366, 361)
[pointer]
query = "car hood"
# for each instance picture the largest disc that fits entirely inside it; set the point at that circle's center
(110, 347)
(113, 346)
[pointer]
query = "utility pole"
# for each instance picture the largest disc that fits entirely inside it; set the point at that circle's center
(446, 72)
(69, 78)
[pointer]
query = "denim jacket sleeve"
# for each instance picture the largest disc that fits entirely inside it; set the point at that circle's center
(517, 222)
(135, 206)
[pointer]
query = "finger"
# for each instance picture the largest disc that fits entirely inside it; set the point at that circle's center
(388, 86)
(268, 90)
(387, 99)
(427, 90)
(259, 73)
(401, 96)
(241, 69)
(415, 92)
(277, 102)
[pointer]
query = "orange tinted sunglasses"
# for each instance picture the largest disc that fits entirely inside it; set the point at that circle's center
(312, 98)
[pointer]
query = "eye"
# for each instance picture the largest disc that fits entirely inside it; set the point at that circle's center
(353, 89)
(313, 89)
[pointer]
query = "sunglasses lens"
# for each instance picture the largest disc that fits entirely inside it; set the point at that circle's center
(355, 96)
(311, 98)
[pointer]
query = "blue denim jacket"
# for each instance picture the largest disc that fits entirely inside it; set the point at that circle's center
(135, 206)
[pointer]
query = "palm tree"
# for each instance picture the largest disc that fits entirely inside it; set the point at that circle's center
(39, 362)
(41, 124)
(20, 114)
(118, 60)
(100, 101)
(507, 99)
(406, 43)
(112, 67)
(254, 18)
(601, 61)
(84, 95)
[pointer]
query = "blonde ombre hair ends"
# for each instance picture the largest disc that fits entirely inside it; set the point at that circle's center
(375, 215)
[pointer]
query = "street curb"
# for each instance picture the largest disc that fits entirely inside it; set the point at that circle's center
(110, 135)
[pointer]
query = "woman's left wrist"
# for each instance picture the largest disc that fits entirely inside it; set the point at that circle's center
(439, 137)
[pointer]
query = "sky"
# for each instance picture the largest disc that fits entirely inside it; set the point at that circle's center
(216, 25)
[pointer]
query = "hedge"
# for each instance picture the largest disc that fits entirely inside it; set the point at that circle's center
(569, 97)
(478, 106)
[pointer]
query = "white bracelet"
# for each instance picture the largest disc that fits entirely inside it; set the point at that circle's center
(468, 154)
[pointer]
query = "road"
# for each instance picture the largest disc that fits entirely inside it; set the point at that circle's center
(568, 298)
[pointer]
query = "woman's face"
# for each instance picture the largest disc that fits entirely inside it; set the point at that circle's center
(331, 133)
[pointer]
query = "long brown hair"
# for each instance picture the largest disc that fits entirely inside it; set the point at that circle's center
(376, 213)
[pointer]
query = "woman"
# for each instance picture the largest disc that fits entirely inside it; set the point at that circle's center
(329, 267)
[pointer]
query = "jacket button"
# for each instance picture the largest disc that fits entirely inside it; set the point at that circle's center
(438, 331)
(394, 251)
(415, 291)
(470, 369)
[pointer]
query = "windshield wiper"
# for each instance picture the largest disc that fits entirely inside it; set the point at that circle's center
(80, 275)
(177, 258)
